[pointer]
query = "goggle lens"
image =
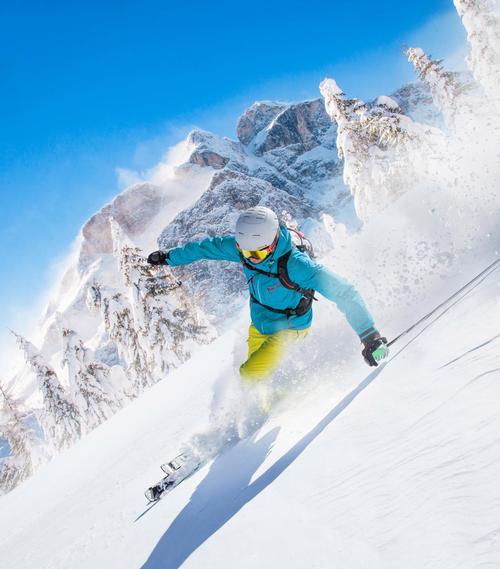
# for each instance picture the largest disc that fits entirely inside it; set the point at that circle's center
(260, 254)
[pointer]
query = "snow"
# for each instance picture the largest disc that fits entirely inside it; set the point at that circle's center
(356, 467)
(387, 102)
(392, 467)
(481, 20)
(329, 86)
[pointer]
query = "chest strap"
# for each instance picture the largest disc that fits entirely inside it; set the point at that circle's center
(282, 275)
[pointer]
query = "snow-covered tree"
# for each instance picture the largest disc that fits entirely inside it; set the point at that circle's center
(119, 323)
(121, 327)
(481, 19)
(94, 297)
(167, 324)
(377, 146)
(447, 88)
(88, 380)
(353, 140)
(346, 113)
(21, 439)
(61, 421)
(387, 126)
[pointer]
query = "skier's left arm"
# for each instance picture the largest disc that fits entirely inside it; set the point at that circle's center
(309, 274)
(211, 248)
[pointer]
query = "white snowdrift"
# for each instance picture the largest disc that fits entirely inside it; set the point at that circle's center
(354, 468)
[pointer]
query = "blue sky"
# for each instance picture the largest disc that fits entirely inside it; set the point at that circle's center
(89, 87)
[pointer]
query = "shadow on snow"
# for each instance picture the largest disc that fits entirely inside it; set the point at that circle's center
(226, 488)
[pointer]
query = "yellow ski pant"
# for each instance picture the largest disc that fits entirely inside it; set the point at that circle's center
(265, 351)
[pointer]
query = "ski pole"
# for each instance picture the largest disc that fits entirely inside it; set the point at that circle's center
(485, 273)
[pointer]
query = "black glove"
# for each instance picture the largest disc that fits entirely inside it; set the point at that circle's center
(157, 258)
(375, 350)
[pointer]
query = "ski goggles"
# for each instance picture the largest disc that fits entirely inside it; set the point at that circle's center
(260, 254)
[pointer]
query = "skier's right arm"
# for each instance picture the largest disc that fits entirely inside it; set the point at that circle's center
(213, 248)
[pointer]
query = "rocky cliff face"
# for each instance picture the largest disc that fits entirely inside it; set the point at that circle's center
(133, 210)
(217, 287)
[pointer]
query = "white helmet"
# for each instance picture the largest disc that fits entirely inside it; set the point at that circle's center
(256, 228)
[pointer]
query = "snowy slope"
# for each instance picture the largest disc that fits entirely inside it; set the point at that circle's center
(353, 468)
(396, 467)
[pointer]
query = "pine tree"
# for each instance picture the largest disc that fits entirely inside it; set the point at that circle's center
(481, 19)
(120, 325)
(388, 127)
(448, 90)
(152, 322)
(353, 140)
(21, 439)
(377, 146)
(61, 421)
(89, 381)
(166, 323)
(94, 297)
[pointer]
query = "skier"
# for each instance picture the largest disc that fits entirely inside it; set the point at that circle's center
(282, 281)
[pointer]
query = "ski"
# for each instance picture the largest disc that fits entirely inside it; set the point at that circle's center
(170, 468)
(176, 471)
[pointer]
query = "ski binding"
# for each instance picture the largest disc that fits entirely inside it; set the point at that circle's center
(174, 475)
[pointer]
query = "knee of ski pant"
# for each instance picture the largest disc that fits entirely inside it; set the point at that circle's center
(251, 373)
(263, 362)
(255, 339)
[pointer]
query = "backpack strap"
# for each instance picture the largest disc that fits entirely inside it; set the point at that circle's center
(285, 279)
(302, 307)
(282, 275)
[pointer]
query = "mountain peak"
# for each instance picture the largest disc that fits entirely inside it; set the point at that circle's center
(257, 117)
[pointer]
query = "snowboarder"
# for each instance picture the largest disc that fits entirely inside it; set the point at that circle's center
(282, 281)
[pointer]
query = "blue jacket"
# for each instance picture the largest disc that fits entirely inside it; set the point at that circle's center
(301, 269)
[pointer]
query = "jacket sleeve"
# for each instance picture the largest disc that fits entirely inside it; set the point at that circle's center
(309, 274)
(215, 248)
